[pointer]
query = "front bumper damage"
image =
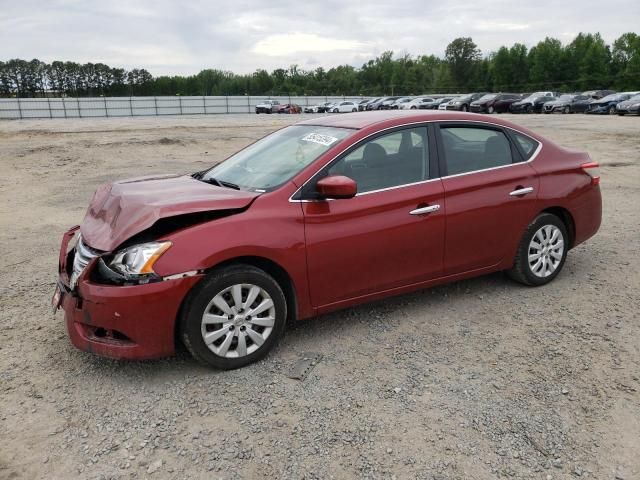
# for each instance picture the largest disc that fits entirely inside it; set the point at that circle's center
(133, 322)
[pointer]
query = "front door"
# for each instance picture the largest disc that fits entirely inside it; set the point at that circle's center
(391, 234)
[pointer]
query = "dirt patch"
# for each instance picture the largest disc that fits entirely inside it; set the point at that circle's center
(474, 380)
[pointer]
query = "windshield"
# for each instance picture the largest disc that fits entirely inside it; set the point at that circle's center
(485, 98)
(635, 98)
(276, 158)
(463, 98)
(567, 97)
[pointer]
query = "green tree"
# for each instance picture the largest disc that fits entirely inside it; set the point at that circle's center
(462, 55)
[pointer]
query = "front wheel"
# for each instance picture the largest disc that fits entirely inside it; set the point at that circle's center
(335, 110)
(464, 108)
(542, 251)
(612, 110)
(233, 317)
(490, 109)
(354, 110)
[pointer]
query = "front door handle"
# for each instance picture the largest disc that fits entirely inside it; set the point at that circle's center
(424, 210)
(521, 191)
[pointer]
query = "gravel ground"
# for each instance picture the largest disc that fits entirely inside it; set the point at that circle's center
(474, 380)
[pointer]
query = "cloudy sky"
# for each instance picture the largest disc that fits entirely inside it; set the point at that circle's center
(183, 37)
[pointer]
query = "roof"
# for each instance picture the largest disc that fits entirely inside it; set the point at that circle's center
(392, 117)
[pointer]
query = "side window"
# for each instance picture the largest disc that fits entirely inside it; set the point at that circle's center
(391, 160)
(527, 144)
(468, 149)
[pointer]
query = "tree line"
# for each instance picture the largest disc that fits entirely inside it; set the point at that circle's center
(587, 62)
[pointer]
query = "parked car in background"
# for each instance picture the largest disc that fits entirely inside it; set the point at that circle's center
(567, 103)
(531, 104)
(598, 94)
(503, 105)
(435, 105)
(324, 107)
(223, 259)
(268, 106)
(377, 103)
(362, 105)
(486, 103)
(416, 103)
(607, 105)
(386, 104)
(345, 107)
(401, 101)
(463, 102)
(290, 108)
(629, 107)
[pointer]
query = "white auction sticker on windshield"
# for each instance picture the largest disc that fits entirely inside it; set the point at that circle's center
(325, 140)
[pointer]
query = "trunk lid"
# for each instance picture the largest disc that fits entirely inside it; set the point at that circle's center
(121, 209)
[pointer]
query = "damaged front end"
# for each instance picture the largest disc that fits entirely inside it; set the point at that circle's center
(114, 304)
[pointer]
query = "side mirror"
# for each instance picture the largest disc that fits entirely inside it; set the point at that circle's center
(337, 186)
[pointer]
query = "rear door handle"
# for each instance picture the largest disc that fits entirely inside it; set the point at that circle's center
(424, 210)
(521, 191)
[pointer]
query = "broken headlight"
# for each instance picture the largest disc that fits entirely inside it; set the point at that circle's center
(138, 260)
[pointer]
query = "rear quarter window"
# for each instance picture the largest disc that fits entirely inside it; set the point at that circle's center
(527, 145)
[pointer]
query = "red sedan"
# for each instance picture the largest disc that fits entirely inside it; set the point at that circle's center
(321, 215)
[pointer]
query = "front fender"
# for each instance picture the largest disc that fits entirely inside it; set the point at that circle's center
(274, 233)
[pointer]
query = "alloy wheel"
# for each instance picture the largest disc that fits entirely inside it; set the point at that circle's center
(238, 320)
(546, 249)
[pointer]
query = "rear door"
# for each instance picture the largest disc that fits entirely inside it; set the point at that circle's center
(490, 194)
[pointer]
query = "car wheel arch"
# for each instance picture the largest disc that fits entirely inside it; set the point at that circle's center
(566, 217)
(279, 273)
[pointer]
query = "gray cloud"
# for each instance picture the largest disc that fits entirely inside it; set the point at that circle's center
(183, 37)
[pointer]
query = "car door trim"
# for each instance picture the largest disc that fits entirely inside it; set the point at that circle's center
(438, 156)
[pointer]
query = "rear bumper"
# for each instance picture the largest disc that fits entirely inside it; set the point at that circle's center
(122, 322)
(587, 214)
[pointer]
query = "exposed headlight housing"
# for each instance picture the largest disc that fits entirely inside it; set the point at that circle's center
(138, 260)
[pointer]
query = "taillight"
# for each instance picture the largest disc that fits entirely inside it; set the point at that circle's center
(592, 169)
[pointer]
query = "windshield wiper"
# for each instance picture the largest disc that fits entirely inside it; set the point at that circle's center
(220, 183)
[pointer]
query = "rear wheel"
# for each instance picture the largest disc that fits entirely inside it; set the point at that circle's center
(464, 108)
(490, 109)
(542, 251)
(612, 110)
(233, 317)
(354, 109)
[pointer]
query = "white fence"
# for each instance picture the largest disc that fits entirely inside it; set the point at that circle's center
(17, 108)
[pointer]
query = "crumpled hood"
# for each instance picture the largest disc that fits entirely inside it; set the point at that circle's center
(121, 209)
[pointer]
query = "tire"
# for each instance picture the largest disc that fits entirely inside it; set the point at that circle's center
(612, 110)
(528, 109)
(413, 108)
(490, 109)
(353, 110)
(269, 112)
(335, 110)
(567, 109)
(537, 275)
(267, 326)
(464, 108)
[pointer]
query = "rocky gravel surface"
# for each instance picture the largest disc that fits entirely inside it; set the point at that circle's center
(479, 379)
